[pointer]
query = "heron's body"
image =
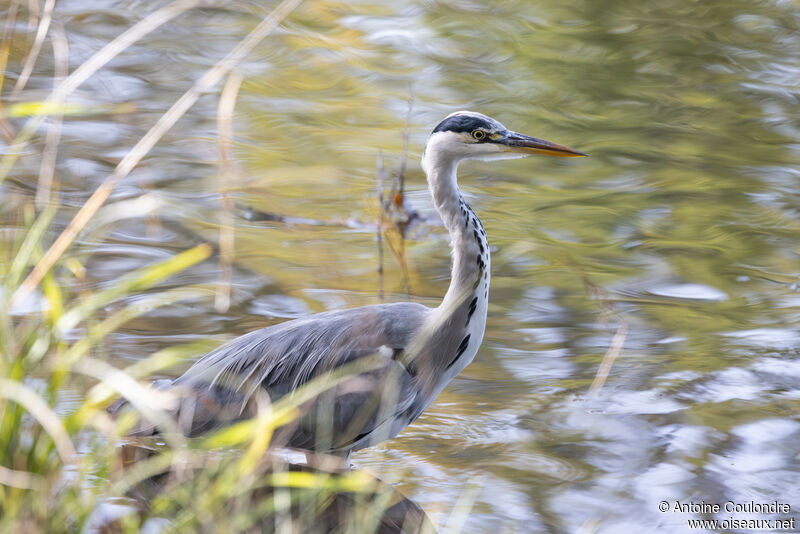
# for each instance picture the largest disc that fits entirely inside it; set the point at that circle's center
(418, 349)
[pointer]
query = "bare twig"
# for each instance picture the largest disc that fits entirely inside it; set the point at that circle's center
(394, 209)
(227, 102)
(146, 143)
(48, 165)
(608, 360)
(33, 54)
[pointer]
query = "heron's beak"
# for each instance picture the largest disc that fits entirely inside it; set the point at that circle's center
(525, 144)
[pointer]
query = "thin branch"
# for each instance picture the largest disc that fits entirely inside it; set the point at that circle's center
(146, 143)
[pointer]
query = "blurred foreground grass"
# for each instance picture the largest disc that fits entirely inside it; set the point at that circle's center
(65, 464)
(62, 468)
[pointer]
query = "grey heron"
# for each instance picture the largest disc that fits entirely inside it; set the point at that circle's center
(418, 349)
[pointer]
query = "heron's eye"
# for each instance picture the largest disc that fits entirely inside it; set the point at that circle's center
(479, 134)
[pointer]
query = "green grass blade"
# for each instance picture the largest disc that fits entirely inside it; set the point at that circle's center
(138, 280)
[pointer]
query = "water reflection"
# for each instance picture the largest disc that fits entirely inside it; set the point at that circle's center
(683, 224)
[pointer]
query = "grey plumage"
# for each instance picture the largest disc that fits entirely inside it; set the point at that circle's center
(415, 351)
(283, 357)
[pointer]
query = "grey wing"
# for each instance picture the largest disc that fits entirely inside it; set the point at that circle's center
(362, 409)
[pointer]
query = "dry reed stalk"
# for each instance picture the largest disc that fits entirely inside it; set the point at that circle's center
(118, 45)
(33, 53)
(227, 171)
(146, 143)
(33, 14)
(19, 479)
(5, 50)
(48, 165)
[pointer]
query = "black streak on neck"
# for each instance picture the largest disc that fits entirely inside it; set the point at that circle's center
(472, 306)
(461, 349)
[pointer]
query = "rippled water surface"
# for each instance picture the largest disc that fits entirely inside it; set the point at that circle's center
(679, 234)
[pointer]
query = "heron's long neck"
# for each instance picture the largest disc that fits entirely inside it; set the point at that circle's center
(453, 333)
(470, 274)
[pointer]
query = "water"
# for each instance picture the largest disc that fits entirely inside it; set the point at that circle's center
(682, 225)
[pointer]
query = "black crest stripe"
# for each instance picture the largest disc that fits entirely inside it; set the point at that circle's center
(462, 123)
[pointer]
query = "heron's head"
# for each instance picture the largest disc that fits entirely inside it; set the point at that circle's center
(466, 134)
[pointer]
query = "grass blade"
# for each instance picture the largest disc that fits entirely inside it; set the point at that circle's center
(146, 143)
(38, 408)
(135, 281)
